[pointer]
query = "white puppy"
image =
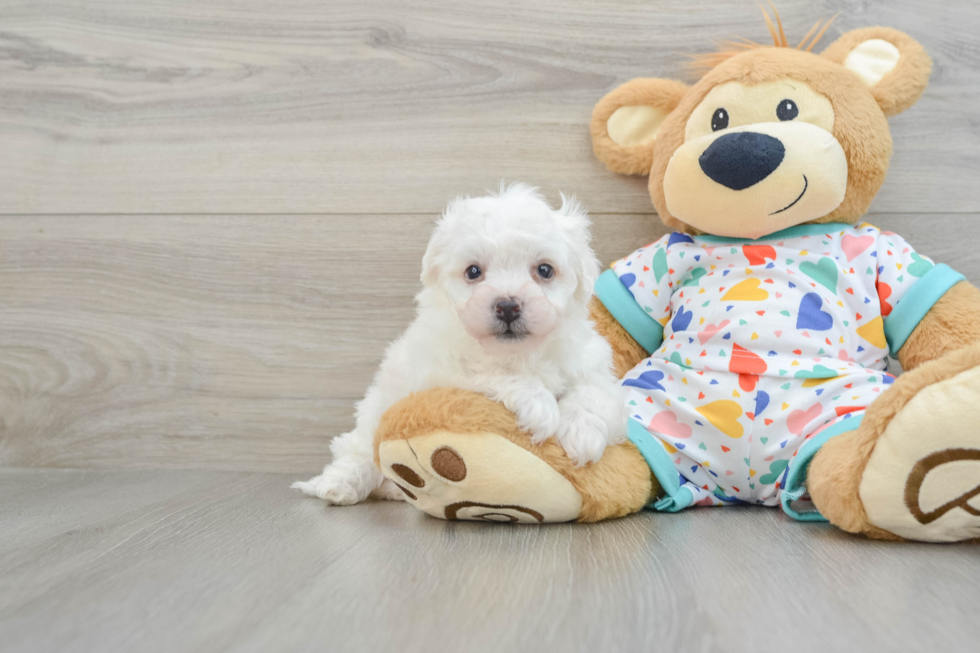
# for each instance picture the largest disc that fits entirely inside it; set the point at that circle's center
(504, 312)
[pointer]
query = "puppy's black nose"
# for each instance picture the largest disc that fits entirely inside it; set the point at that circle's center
(742, 159)
(507, 309)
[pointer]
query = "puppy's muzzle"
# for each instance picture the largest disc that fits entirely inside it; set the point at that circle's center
(507, 310)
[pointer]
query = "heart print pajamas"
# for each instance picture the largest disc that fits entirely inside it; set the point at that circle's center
(760, 351)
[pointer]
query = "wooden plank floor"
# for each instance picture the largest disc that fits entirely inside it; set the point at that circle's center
(216, 561)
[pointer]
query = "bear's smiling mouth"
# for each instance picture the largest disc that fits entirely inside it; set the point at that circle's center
(806, 184)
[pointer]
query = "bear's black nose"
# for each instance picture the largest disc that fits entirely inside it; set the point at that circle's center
(742, 159)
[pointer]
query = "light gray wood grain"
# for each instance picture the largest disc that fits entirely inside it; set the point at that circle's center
(381, 106)
(232, 342)
(208, 561)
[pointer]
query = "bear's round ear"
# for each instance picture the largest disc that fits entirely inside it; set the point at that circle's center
(892, 64)
(625, 122)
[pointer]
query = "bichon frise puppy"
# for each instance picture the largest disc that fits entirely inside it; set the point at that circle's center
(503, 311)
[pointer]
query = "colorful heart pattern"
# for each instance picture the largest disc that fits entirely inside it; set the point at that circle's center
(724, 415)
(665, 423)
(759, 254)
(710, 330)
(744, 361)
(854, 246)
(823, 272)
(746, 291)
(765, 344)
(874, 332)
(682, 319)
(799, 419)
(811, 316)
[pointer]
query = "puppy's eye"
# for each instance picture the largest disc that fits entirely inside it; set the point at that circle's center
(473, 273)
(719, 120)
(787, 110)
(545, 271)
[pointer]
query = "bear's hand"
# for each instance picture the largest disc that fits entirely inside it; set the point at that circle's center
(950, 325)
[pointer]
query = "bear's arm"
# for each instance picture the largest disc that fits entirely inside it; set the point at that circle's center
(952, 323)
(627, 353)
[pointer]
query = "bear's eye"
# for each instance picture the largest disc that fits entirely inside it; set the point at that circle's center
(787, 110)
(719, 120)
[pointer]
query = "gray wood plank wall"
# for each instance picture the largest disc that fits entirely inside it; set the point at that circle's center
(212, 214)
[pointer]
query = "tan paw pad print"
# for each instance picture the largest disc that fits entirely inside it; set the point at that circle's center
(922, 481)
(464, 476)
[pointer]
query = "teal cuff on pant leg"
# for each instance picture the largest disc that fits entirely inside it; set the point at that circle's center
(663, 469)
(795, 484)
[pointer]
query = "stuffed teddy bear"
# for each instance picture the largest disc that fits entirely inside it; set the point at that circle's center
(753, 340)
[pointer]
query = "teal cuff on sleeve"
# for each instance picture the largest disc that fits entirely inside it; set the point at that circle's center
(914, 305)
(619, 301)
(677, 496)
(794, 486)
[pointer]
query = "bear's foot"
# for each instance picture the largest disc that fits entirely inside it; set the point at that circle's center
(922, 481)
(458, 455)
(478, 476)
(912, 469)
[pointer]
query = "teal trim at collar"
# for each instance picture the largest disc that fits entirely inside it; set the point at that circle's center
(791, 232)
(619, 301)
(913, 306)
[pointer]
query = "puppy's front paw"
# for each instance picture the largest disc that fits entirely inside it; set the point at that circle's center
(582, 434)
(537, 413)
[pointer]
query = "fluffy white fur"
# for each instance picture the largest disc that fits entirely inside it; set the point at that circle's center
(549, 367)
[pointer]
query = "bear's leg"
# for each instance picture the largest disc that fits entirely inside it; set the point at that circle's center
(457, 455)
(912, 468)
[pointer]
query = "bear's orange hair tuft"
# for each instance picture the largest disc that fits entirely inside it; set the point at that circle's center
(708, 60)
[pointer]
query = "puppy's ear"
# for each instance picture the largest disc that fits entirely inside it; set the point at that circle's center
(439, 243)
(892, 64)
(432, 260)
(430, 268)
(574, 222)
(626, 121)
